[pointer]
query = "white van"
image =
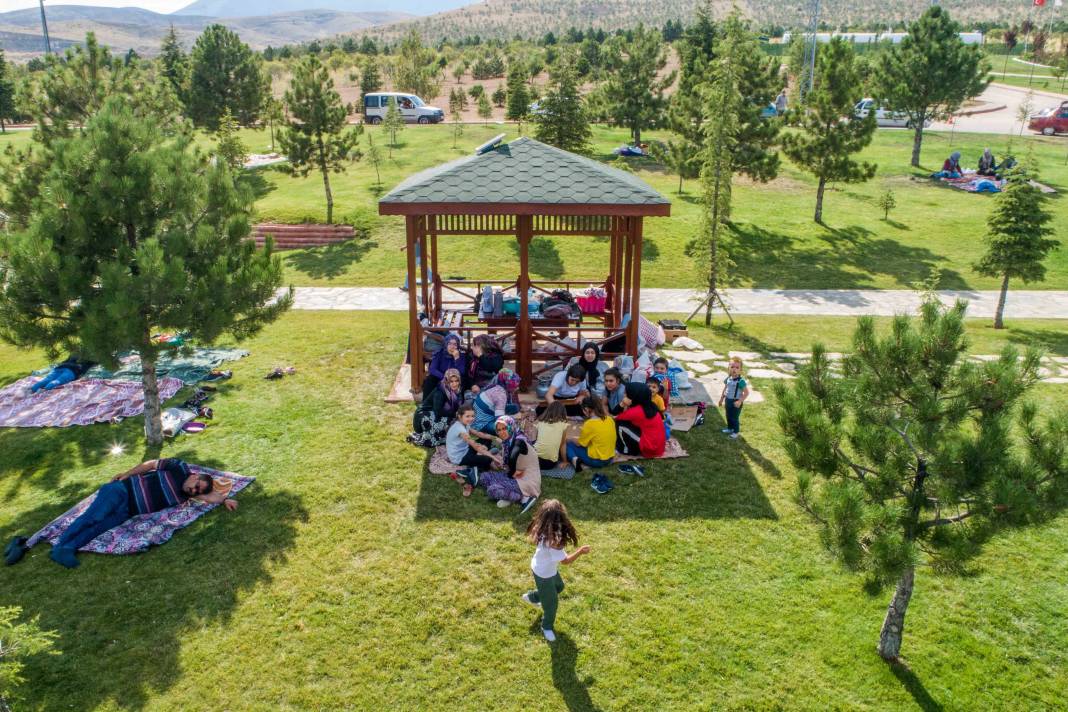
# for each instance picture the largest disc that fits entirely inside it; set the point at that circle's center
(412, 108)
(884, 117)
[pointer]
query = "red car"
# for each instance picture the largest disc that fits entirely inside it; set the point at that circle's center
(1051, 121)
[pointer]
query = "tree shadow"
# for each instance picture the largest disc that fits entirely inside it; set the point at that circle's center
(650, 252)
(544, 257)
(121, 650)
(915, 687)
(841, 258)
(572, 689)
(1053, 342)
(254, 181)
(330, 261)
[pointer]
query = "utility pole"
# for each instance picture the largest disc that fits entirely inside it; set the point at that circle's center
(810, 49)
(44, 29)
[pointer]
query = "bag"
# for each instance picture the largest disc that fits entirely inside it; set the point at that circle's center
(498, 303)
(557, 311)
(486, 305)
(625, 364)
(510, 306)
(680, 380)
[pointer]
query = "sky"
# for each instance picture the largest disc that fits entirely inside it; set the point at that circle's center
(154, 5)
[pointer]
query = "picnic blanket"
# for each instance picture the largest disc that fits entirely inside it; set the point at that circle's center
(441, 465)
(976, 184)
(82, 402)
(137, 534)
(189, 368)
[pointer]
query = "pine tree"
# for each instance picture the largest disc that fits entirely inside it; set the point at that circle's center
(316, 137)
(485, 109)
(678, 157)
(416, 67)
(7, 95)
(499, 96)
(561, 119)
(921, 453)
(457, 126)
(930, 73)
(224, 74)
(21, 640)
(830, 134)
(229, 147)
(393, 123)
(138, 234)
(374, 157)
(174, 64)
(274, 113)
(518, 97)
(696, 51)
(1016, 239)
(634, 91)
(370, 81)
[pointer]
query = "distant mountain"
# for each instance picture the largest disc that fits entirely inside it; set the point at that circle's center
(243, 8)
(124, 28)
(504, 19)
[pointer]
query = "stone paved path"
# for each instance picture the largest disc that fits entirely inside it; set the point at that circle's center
(812, 302)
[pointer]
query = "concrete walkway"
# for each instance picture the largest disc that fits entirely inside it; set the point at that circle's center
(800, 302)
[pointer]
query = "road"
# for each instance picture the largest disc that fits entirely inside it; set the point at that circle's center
(1004, 120)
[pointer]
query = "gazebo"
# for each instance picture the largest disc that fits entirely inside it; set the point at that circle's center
(522, 189)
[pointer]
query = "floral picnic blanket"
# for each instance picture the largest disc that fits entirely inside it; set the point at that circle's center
(81, 402)
(137, 534)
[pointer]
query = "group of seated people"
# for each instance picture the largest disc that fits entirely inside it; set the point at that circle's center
(988, 166)
(469, 409)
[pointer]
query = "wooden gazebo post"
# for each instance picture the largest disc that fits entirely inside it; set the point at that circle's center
(415, 333)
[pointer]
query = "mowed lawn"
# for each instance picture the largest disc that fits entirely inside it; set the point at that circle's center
(935, 232)
(351, 579)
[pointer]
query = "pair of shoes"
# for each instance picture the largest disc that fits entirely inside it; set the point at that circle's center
(699, 420)
(601, 484)
(503, 503)
(205, 412)
(629, 468)
(726, 430)
(734, 436)
(64, 557)
(14, 551)
(470, 475)
(217, 375)
(549, 635)
(198, 397)
(527, 503)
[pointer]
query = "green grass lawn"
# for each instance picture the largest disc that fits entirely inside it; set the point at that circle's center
(1041, 81)
(351, 579)
(935, 231)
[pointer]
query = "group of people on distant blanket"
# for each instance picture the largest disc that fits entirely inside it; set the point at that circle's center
(988, 166)
(469, 400)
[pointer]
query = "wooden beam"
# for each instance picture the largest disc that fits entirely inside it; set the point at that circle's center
(424, 276)
(524, 234)
(636, 288)
(415, 329)
(624, 287)
(435, 276)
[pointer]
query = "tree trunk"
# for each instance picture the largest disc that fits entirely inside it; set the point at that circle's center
(329, 198)
(917, 141)
(818, 217)
(894, 623)
(680, 183)
(713, 240)
(153, 421)
(1000, 311)
(636, 134)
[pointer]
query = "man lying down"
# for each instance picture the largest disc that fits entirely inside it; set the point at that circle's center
(146, 488)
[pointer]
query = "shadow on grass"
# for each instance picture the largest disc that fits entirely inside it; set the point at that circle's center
(330, 261)
(544, 257)
(121, 619)
(1052, 342)
(572, 689)
(841, 258)
(915, 687)
(255, 182)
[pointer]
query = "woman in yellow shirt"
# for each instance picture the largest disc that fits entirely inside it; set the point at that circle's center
(596, 446)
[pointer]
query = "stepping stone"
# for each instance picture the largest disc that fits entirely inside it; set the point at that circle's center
(765, 373)
(745, 355)
(713, 383)
(788, 367)
(691, 356)
(791, 355)
(985, 357)
(1060, 359)
(699, 367)
(1055, 379)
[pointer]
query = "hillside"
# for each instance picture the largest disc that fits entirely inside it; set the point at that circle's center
(142, 30)
(243, 8)
(506, 18)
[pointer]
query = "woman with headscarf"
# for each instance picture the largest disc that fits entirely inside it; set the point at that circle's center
(485, 363)
(494, 401)
(987, 164)
(640, 427)
(591, 363)
(450, 355)
(432, 418)
(522, 482)
(951, 167)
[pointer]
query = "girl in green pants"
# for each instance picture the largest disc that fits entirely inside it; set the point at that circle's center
(550, 530)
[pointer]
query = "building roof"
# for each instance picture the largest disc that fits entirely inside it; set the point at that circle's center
(524, 177)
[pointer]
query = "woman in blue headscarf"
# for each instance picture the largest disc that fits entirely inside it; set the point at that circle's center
(450, 355)
(433, 417)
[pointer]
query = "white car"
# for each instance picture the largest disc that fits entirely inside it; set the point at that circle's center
(412, 108)
(884, 117)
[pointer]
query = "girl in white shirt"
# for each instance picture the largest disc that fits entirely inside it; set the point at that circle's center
(551, 530)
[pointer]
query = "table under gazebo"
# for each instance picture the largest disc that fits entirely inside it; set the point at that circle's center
(523, 189)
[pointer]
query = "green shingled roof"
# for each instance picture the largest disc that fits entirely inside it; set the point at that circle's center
(525, 171)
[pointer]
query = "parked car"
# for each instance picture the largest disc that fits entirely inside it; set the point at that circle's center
(412, 108)
(884, 117)
(1050, 121)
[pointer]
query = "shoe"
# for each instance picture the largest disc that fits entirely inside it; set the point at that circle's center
(218, 375)
(64, 557)
(699, 420)
(549, 635)
(527, 504)
(14, 551)
(734, 436)
(526, 597)
(470, 475)
(630, 468)
(503, 503)
(601, 484)
(725, 430)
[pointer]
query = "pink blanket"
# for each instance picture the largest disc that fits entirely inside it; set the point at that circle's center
(82, 402)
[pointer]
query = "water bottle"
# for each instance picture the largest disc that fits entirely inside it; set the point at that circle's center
(532, 306)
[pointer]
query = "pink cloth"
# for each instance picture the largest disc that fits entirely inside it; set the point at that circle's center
(82, 402)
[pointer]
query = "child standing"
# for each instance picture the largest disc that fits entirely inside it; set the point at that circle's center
(735, 391)
(550, 530)
(552, 427)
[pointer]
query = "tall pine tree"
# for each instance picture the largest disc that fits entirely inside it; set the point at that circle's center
(518, 97)
(224, 74)
(7, 94)
(830, 134)
(561, 118)
(635, 89)
(316, 137)
(1017, 237)
(921, 454)
(174, 64)
(135, 233)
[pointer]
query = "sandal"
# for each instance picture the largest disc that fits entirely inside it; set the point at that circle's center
(468, 489)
